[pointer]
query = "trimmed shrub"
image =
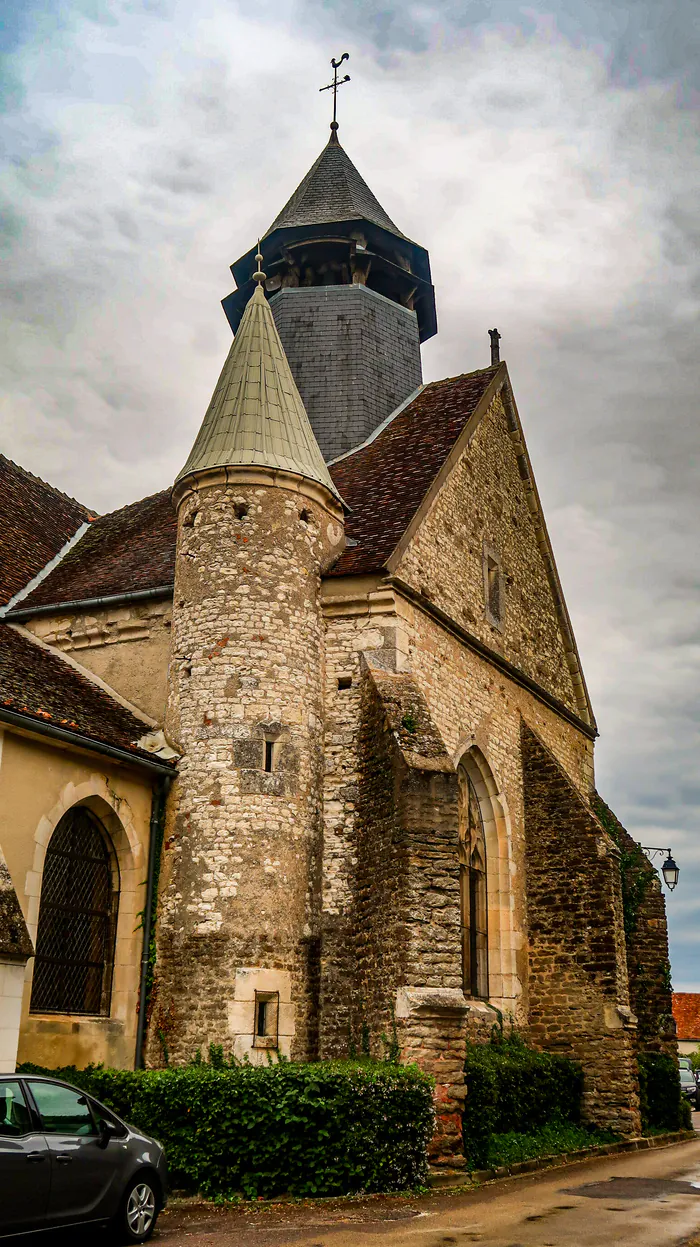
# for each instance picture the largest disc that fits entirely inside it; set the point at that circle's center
(660, 1100)
(326, 1129)
(513, 1089)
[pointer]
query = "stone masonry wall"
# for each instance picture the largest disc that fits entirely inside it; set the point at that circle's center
(240, 878)
(406, 913)
(355, 357)
(474, 707)
(483, 502)
(646, 935)
(578, 989)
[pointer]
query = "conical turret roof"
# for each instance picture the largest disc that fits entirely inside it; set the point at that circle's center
(256, 417)
(333, 191)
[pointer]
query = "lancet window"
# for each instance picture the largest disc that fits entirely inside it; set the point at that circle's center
(472, 862)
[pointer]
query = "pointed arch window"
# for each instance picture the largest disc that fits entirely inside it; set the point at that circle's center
(77, 919)
(474, 900)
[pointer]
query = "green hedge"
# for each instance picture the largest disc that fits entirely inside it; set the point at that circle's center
(661, 1104)
(324, 1129)
(512, 1088)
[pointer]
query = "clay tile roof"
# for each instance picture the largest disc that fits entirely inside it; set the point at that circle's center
(129, 549)
(384, 482)
(686, 1011)
(333, 191)
(36, 520)
(39, 684)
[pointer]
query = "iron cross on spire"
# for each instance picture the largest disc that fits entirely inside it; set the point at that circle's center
(333, 86)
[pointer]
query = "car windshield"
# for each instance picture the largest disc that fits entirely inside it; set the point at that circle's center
(686, 1076)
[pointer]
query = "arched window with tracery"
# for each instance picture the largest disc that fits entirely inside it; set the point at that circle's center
(77, 919)
(474, 900)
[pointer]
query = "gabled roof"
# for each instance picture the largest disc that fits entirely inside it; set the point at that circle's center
(129, 549)
(44, 689)
(686, 1011)
(333, 190)
(36, 520)
(256, 417)
(385, 480)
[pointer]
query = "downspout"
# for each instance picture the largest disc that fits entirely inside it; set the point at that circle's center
(155, 843)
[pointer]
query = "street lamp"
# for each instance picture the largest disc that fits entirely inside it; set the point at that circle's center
(669, 869)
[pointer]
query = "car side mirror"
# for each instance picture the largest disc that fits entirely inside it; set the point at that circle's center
(108, 1130)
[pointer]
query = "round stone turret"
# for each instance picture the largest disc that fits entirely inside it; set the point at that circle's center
(258, 522)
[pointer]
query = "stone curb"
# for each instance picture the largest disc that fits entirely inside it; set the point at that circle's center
(460, 1181)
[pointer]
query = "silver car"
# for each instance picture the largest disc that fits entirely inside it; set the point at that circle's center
(66, 1160)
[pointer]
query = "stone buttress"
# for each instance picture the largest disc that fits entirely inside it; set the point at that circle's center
(258, 522)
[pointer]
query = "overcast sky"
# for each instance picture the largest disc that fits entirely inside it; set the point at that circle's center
(547, 154)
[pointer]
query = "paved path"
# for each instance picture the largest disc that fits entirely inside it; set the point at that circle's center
(646, 1199)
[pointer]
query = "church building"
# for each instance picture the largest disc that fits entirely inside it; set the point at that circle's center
(296, 755)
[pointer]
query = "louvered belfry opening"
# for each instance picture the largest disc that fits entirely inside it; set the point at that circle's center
(77, 919)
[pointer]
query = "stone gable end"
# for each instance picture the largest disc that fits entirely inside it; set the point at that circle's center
(481, 510)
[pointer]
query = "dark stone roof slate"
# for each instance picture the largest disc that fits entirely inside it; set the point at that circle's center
(127, 550)
(384, 483)
(37, 683)
(333, 191)
(36, 520)
(15, 942)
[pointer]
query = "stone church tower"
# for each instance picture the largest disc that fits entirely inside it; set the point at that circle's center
(259, 520)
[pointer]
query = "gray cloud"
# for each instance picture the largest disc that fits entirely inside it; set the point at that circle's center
(551, 165)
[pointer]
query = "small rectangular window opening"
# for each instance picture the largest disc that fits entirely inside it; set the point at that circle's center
(265, 1032)
(493, 578)
(269, 754)
(345, 681)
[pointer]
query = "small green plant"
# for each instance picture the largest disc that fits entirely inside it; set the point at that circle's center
(552, 1139)
(410, 723)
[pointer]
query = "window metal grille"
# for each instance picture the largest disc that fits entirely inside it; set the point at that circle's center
(77, 919)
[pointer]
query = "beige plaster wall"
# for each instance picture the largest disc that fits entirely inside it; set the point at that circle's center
(126, 646)
(38, 783)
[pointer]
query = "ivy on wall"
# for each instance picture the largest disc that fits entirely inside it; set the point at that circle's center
(636, 871)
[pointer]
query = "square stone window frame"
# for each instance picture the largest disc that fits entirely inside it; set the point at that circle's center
(270, 1040)
(491, 555)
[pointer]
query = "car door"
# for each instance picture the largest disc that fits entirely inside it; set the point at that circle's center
(25, 1170)
(83, 1169)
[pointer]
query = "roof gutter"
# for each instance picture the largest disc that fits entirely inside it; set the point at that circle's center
(29, 724)
(113, 599)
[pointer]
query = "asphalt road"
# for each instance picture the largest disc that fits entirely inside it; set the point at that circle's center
(646, 1199)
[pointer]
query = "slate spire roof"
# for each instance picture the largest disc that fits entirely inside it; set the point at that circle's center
(333, 191)
(256, 417)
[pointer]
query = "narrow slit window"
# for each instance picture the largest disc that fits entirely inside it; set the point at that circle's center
(494, 587)
(266, 1024)
(269, 754)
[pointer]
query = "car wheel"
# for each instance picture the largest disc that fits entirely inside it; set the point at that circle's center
(139, 1210)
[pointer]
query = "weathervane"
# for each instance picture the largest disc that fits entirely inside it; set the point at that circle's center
(333, 86)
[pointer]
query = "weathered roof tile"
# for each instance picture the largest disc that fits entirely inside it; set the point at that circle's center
(385, 481)
(36, 520)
